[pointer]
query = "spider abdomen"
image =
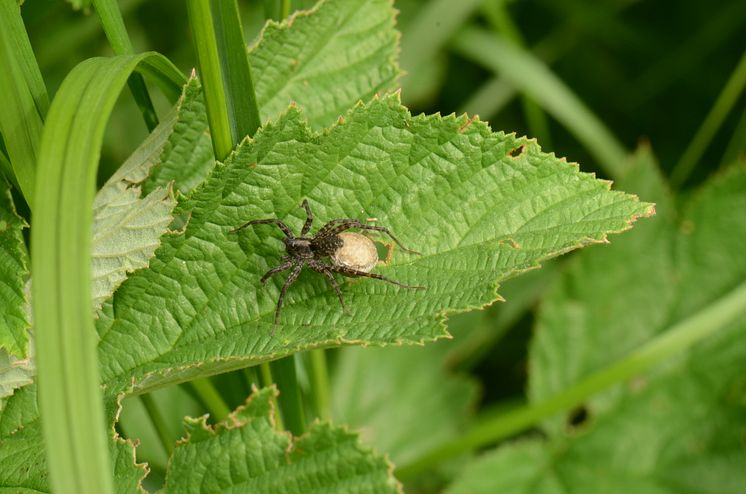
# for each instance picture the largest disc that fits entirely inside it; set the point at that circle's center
(356, 252)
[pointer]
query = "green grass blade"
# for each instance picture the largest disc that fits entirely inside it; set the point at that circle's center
(673, 341)
(737, 143)
(232, 108)
(530, 76)
(69, 392)
(116, 33)
(23, 97)
(724, 103)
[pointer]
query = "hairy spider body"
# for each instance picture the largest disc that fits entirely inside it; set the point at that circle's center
(349, 256)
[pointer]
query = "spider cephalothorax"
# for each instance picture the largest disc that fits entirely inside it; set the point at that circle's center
(331, 250)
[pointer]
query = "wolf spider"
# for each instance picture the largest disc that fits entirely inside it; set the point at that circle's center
(326, 244)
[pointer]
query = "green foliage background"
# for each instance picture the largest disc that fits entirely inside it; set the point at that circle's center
(614, 369)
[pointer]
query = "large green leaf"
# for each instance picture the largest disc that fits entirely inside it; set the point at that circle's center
(13, 273)
(246, 454)
(481, 206)
(676, 429)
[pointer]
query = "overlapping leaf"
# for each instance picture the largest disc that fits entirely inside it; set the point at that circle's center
(480, 206)
(247, 454)
(127, 226)
(680, 427)
(13, 273)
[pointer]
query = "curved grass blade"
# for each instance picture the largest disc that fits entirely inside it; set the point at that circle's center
(69, 392)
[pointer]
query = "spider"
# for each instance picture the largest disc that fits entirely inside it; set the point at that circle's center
(351, 254)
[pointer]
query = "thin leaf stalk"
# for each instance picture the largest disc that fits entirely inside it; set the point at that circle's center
(232, 108)
(209, 396)
(291, 406)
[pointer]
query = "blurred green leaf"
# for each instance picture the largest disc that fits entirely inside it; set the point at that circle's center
(402, 399)
(676, 428)
(13, 274)
(246, 453)
(204, 282)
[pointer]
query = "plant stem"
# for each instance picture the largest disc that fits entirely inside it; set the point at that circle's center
(210, 398)
(232, 109)
(724, 103)
(320, 383)
(676, 339)
(158, 422)
(289, 400)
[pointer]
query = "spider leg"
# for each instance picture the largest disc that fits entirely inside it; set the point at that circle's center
(354, 272)
(309, 218)
(289, 281)
(335, 227)
(272, 221)
(320, 267)
(277, 269)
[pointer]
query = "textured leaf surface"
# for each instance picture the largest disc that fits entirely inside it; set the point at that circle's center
(246, 454)
(480, 206)
(678, 429)
(13, 273)
(326, 59)
(401, 399)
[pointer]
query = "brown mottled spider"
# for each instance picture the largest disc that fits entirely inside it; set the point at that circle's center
(344, 251)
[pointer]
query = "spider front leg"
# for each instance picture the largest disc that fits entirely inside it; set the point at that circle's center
(320, 267)
(277, 269)
(309, 218)
(354, 272)
(289, 281)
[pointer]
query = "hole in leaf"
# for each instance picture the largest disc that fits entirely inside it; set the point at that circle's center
(179, 223)
(516, 151)
(578, 417)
